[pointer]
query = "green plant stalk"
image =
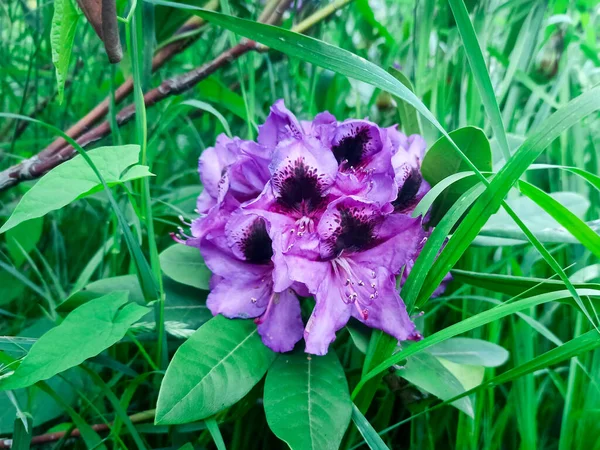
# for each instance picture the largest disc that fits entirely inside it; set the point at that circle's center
(134, 35)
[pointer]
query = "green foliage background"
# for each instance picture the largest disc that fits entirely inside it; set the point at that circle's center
(95, 300)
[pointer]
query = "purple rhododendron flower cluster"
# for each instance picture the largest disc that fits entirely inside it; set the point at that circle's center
(319, 208)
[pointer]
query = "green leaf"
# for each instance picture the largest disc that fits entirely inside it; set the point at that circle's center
(84, 333)
(564, 216)
(480, 72)
(409, 119)
(370, 436)
(471, 323)
(21, 439)
(212, 370)
(426, 372)
(62, 35)
(306, 400)
(441, 162)
(514, 285)
(462, 350)
(492, 198)
(209, 109)
(185, 265)
(500, 229)
(23, 237)
(75, 179)
(213, 428)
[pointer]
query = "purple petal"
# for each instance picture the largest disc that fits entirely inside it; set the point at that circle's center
(302, 173)
(330, 314)
(242, 297)
(387, 311)
(248, 238)
(281, 327)
(348, 226)
(281, 124)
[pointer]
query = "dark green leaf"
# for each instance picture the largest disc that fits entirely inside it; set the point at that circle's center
(185, 265)
(212, 370)
(84, 333)
(307, 402)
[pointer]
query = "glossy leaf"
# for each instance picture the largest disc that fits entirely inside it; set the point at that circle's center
(426, 372)
(84, 333)
(462, 350)
(75, 179)
(441, 162)
(185, 265)
(212, 370)
(307, 402)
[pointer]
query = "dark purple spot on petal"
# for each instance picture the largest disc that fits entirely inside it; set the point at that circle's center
(354, 233)
(408, 191)
(352, 148)
(300, 188)
(256, 244)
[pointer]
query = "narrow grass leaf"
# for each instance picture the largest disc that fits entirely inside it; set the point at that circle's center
(577, 227)
(215, 433)
(468, 324)
(367, 431)
(480, 72)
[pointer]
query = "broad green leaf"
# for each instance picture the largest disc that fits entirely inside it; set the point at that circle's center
(23, 237)
(500, 229)
(307, 402)
(564, 216)
(514, 285)
(84, 333)
(75, 179)
(368, 433)
(441, 162)
(409, 119)
(62, 35)
(185, 265)
(426, 372)
(476, 352)
(212, 370)
(469, 375)
(480, 72)
(468, 324)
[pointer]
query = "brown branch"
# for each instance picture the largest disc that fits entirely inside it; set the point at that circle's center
(95, 115)
(52, 437)
(46, 160)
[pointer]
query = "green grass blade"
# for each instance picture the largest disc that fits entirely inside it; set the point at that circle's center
(471, 323)
(370, 436)
(480, 72)
(577, 227)
(489, 202)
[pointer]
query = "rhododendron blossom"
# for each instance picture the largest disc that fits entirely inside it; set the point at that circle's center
(315, 208)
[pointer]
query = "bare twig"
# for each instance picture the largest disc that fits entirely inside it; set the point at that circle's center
(54, 155)
(52, 437)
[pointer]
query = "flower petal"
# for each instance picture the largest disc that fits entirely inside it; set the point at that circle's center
(302, 173)
(387, 311)
(280, 124)
(281, 326)
(330, 314)
(241, 297)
